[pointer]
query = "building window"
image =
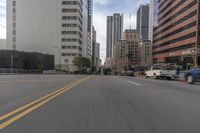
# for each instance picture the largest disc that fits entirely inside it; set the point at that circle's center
(188, 36)
(14, 39)
(70, 3)
(14, 18)
(14, 25)
(183, 47)
(80, 49)
(70, 17)
(14, 10)
(66, 60)
(63, 47)
(63, 54)
(184, 28)
(69, 25)
(74, 54)
(69, 10)
(69, 32)
(14, 3)
(194, 13)
(74, 47)
(69, 40)
(69, 54)
(14, 32)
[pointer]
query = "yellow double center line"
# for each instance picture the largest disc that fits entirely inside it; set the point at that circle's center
(26, 109)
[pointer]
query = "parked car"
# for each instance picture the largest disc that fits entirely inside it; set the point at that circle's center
(162, 71)
(193, 76)
(169, 74)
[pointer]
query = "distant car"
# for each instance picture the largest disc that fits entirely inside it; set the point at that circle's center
(193, 76)
(130, 73)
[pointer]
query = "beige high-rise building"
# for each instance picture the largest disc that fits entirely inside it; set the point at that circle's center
(126, 51)
(145, 48)
(120, 56)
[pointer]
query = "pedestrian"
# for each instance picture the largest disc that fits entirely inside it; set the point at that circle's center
(178, 70)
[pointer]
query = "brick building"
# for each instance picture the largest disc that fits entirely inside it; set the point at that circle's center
(145, 48)
(176, 37)
(126, 51)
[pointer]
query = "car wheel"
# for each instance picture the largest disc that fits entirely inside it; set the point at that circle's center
(190, 79)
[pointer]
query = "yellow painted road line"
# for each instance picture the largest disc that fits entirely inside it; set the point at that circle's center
(41, 99)
(12, 120)
(30, 104)
(25, 81)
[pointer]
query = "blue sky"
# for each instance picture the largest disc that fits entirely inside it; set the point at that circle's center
(102, 8)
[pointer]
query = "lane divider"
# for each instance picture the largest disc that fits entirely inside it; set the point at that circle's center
(137, 84)
(36, 104)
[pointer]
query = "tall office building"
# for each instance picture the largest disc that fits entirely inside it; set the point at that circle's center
(59, 27)
(145, 50)
(98, 60)
(93, 47)
(90, 15)
(109, 37)
(97, 51)
(151, 10)
(143, 21)
(88, 48)
(176, 31)
(114, 32)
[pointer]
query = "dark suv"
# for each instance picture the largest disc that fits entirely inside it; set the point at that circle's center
(193, 75)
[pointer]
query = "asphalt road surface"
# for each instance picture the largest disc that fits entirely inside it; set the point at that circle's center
(97, 104)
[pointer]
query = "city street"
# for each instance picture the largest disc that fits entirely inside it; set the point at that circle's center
(97, 104)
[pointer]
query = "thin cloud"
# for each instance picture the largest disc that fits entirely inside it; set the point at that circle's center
(102, 2)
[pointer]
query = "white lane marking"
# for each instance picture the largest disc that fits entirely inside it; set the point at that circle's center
(134, 83)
